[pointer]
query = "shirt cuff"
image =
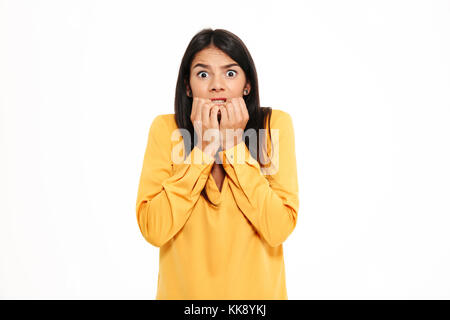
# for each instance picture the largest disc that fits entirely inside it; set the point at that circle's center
(198, 157)
(239, 154)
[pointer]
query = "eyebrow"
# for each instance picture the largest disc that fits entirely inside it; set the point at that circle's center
(207, 66)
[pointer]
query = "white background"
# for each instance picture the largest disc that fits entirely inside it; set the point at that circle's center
(366, 82)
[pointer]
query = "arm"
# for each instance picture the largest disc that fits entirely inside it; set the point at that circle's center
(270, 203)
(165, 200)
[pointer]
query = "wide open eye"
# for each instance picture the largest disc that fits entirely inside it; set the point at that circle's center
(232, 71)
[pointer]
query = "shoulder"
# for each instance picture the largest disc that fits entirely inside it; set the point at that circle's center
(163, 123)
(280, 119)
(277, 113)
(163, 129)
(167, 120)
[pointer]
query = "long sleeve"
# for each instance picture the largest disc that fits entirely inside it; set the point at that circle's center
(270, 203)
(168, 191)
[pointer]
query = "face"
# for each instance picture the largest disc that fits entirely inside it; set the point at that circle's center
(215, 75)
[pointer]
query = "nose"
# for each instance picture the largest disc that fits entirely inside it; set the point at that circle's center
(216, 84)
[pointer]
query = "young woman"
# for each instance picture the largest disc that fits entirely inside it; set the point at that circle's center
(218, 191)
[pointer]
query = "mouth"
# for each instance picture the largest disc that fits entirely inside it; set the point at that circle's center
(219, 100)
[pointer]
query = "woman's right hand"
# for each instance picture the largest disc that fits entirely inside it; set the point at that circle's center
(206, 125)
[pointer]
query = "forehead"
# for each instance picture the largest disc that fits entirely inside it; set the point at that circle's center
(212, 56)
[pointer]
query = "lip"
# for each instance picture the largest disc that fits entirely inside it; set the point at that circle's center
(214, 99)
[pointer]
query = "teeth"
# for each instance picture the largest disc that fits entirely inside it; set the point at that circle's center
(219, 101)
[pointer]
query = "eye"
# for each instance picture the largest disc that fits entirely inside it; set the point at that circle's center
(200, 73)
(231, 71)
(204, 72)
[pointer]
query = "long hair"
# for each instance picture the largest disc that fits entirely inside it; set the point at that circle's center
(233, 46)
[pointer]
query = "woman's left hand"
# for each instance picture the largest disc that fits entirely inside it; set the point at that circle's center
(234, 118)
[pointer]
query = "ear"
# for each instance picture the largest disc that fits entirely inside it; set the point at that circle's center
(188, 89)
(248, 87)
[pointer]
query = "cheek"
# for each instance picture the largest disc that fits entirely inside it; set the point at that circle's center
(238, 87)
(199, 86)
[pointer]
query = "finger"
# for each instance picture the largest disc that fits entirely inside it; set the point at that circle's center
(223, 114)
(230, 112)
(237, 110)
(194, 112)
(244, 109)
(206, 113)
(214, 111)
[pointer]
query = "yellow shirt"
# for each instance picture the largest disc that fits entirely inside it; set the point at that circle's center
(229, 251)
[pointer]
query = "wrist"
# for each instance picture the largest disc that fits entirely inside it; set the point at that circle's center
(231, 143)
(208, 148)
